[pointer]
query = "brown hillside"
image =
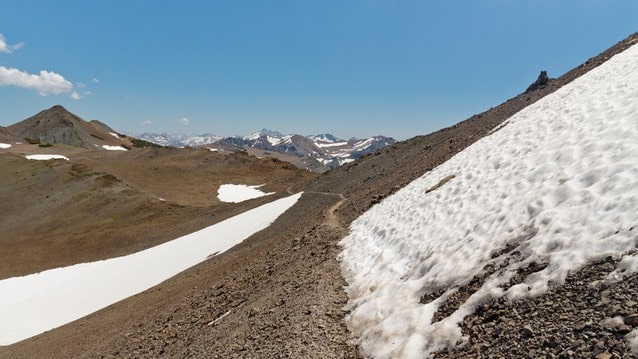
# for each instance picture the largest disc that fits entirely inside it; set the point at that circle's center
(103, 204)
(7, 137)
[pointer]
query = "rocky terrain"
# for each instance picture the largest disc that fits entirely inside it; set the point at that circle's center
(280, 293)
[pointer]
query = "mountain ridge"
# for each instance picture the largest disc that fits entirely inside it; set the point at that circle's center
(316, 152)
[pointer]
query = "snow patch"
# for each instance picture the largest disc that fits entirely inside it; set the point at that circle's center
(557, 185)
(35, 303)
(235, 193)
(114, 148)
(46, 157)
(5, 145)
(114, 135)
(632, 338)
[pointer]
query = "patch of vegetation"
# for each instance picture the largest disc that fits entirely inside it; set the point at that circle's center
(78, 170)
(96, 136)
(32, 141)
(46, 144)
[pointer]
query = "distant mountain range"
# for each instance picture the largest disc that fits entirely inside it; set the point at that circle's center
(317, 152)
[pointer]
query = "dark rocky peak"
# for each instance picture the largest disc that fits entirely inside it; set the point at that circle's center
(542, 81)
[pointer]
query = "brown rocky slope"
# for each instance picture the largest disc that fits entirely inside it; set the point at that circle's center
(279, 294)
(57, 125)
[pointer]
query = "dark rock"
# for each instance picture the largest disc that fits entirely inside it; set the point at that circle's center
(542, 81)
(631, 320)
(527, 332)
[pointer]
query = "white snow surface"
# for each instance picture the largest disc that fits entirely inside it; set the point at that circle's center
(559, 183)
(114, 134)
(235, 193)
(4, 145)
(32, 304)
(113, 148)
(46, 157)
(331, 144)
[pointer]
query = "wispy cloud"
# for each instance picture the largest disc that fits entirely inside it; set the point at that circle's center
(184, 121)
(95, 80)
(45, 83)
(77, 96)
(147, 122)
(6, 48)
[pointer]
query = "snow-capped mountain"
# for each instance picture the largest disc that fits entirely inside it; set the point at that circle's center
(326, 150)
(324, 137)
(167, 139)
(319, 152)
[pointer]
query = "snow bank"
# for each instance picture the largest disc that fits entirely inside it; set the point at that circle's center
(114, 148)
(4, 145)
(557, 185)
(46, 157)
(236, 193)
(38, 302)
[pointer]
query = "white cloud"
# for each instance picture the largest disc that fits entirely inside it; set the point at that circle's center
(45, 83)
(184, 121)
(6, 48)
(95, 80)
(147, 122)
(76, 96)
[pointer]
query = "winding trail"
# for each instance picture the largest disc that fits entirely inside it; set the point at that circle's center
(331, 218)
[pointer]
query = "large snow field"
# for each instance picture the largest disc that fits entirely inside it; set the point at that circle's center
(32, 304)
(235, 193)
(557, 185)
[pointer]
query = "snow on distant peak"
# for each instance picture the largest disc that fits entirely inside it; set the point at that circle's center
(330, 144)
(264, 132)
(325, 137)
(46, 157)
(557, 186)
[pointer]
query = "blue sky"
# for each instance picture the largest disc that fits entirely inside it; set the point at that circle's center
(352, 68)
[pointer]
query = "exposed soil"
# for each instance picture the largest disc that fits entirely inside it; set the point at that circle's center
(280, 293)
